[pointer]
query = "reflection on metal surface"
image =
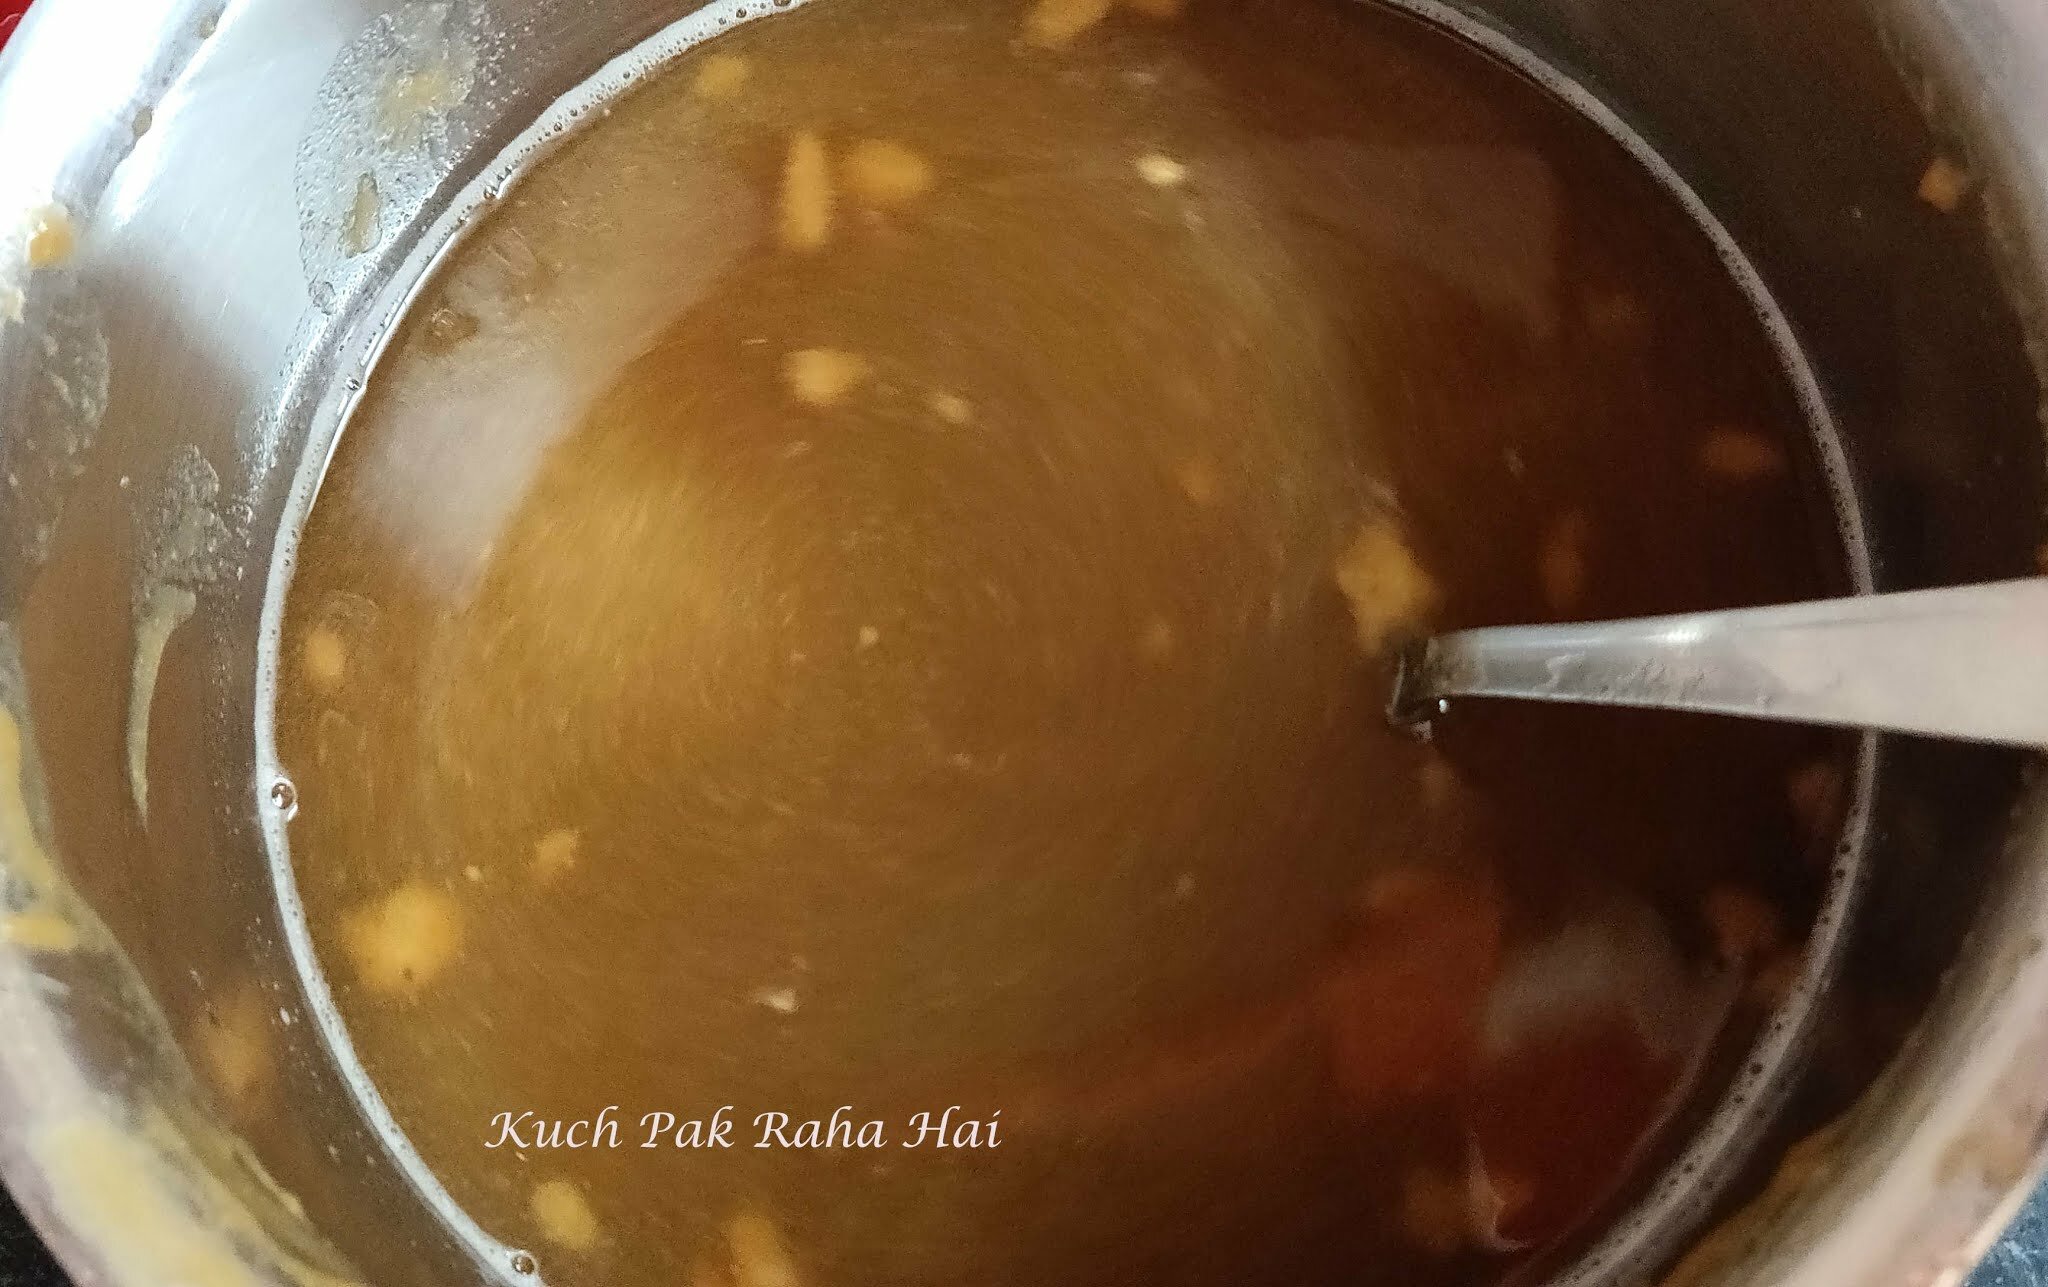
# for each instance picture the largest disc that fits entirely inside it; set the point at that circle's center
(1959, 662)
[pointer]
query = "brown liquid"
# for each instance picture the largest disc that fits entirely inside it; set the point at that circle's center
(886, 648)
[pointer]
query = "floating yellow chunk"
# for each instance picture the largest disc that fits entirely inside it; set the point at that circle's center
(1741, 455)
(1564, 563)
(823, 377)
(236, 1047)
(554, 855)
(51, 238)
(323, 658)
(950, 407)
(780, 1000)
(806, 194)
(1197, 479)
(1053, 23)
(885, 173)
(1745, 927)
(760, 1257)
(39, 931)
(1389, 592)
(720, 76)
(1943, 184)
(1160, 170)
(1158, 641)
(403, 941)
(563, 1215)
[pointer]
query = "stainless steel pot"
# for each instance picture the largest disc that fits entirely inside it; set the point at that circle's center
(206, 215)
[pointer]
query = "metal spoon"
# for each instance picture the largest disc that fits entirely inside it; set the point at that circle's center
(1969, 663)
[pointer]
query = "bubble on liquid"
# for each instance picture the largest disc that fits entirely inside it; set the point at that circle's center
(284, 797)
(524, 1264)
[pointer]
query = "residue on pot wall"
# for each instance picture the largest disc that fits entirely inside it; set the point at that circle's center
(384, 131)
(53, 390)
(53, 396)
(158, 1195)
(413, 97)
(189, 547)
(164, 609)
(36, 907)
(100, 1177)
(155, 1212)
(363, 227)
(28, 916)
(51, 237)
(1989, 196)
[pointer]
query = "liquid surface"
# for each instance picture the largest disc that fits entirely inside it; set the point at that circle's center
(865, 582)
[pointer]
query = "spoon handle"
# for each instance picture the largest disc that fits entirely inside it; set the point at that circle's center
(1969, 662)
